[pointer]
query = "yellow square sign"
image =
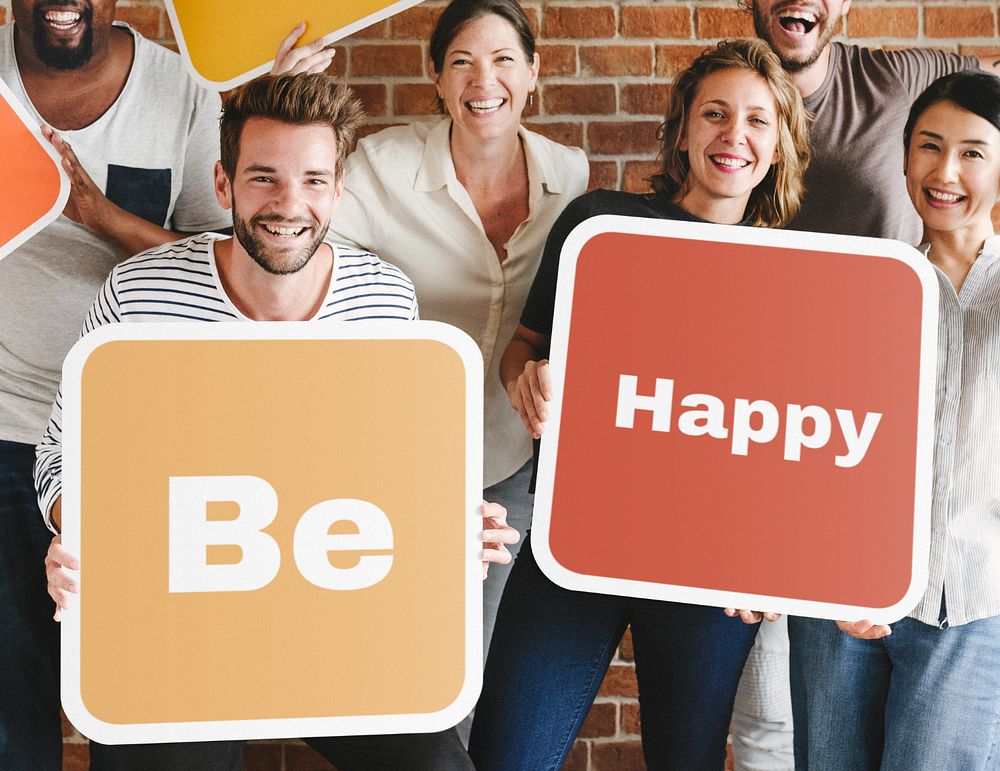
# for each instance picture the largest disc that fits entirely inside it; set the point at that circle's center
(277, 526)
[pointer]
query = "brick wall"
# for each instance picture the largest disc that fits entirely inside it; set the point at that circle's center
(606, 68)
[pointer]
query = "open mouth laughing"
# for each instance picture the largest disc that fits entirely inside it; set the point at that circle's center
(942, 198)
(797, 22)
(283, 231)
(729, 162)
(485, 106)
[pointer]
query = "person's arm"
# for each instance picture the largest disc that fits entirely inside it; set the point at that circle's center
(990, 63)
(524, 371)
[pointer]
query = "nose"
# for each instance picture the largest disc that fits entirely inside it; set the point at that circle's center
(284, 199)
(485, 74)
(947, 167)
(734, 132)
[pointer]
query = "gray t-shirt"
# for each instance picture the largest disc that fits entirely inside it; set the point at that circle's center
(152, 153)
(855, 183)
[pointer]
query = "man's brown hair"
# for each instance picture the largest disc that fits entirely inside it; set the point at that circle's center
(300, 100)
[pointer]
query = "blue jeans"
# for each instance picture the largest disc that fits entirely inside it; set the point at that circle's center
(551, 648)
(922, 698)
(30, 733)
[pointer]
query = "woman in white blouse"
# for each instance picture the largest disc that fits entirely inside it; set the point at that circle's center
(463, 205)
(924, 693)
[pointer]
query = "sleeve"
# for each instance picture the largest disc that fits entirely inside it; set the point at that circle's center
(539, 307)
(48, 453)
(362, 206)
(197, 208)
(917, 68)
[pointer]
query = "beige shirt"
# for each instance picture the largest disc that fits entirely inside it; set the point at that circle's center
(965, 508)
(403, 201)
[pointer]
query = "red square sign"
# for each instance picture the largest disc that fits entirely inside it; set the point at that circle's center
(743, 417)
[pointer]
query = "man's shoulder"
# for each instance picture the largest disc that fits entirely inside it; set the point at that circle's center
(191, 253)
(354, 263)
(160, 68)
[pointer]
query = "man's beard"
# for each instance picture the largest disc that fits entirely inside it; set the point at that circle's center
(63, 57)
(763, 30)
(259, 251)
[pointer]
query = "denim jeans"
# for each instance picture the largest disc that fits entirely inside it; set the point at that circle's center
(921, 699)
(551, 648)
(30, 733)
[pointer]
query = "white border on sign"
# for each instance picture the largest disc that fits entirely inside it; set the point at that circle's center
(733, 234)
(332, 37)
(275, 728)
(64, 187)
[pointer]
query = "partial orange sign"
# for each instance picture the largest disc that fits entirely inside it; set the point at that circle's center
(743, 418)
(277, 526)
(225, 43)
(35, 186)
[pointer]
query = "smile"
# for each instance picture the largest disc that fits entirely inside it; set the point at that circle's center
(729, 161)
(62, 20)
(942, 196)
(485, 106)
(797, 22)
(276, 230)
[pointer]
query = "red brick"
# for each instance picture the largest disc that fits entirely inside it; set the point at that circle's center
(655, 21)
(417, 22)
(637, 174)
(373, 128)
(990, 52)
(532, 15)
(338, 66)
(602, 720)
(956, 21)
(620, 137)
(630, 719)
(379, 29)
(145, 18)
(625, 650)
(883, 21)
(723, 22)
(262, 757)
(67, 727)
(671, 60)
(730, 765)
(76, 757)
(619, 681)
(299, 757)
(564, 133)
(616, 60)
(618, 756)
(414, 99)
(645, 98)
(372, 95)
(577, 22)
(3, 15)
(603, 174)
(386, 60)
(578, 758)
(557, 59)
(580, 99)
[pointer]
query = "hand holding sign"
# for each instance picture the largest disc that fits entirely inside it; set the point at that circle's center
(311, 58)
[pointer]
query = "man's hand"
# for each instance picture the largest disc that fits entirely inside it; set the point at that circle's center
(864, 629)
(60, 583)
(751, 616)
(496, 534)
(312, 58)
(87, 204)
(530, 393)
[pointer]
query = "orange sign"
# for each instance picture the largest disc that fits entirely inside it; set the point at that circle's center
(277, 526)
(743, 418)
(36, 188)
(225, 42)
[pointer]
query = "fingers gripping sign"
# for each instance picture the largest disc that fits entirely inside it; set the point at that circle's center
(496, 535)
(87, 204)
(530, 394)
(58, 563)
(310, 58)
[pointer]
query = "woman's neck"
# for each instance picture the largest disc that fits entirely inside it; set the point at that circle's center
(954, 251)
(723, 211)
(482, 164)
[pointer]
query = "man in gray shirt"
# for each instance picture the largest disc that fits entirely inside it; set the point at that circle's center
(854, 185)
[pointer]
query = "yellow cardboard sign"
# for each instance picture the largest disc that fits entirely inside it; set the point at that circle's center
(277, 525)
(34, 184)
(225, 43)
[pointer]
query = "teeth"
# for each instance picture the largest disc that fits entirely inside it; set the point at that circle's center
(278, 231)
(939, 195)
(62, 17)
(735, 163)
(485, 105)
(798, 16)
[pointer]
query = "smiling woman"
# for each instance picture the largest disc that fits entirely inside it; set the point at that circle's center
(463, 206)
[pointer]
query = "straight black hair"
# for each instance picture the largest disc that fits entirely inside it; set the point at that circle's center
(972, 90)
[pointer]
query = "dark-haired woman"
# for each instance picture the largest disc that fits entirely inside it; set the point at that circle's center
(734, 149)
(463, 205)
(923, 694)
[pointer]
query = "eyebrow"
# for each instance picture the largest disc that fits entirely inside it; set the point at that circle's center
(724, 103)
(469, 53)
(932, 135)
(259, 169)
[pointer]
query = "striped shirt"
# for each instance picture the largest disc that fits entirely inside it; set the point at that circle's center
(180, 282)
(965, 512)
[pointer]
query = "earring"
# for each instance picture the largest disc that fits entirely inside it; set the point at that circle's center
(531, 98)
